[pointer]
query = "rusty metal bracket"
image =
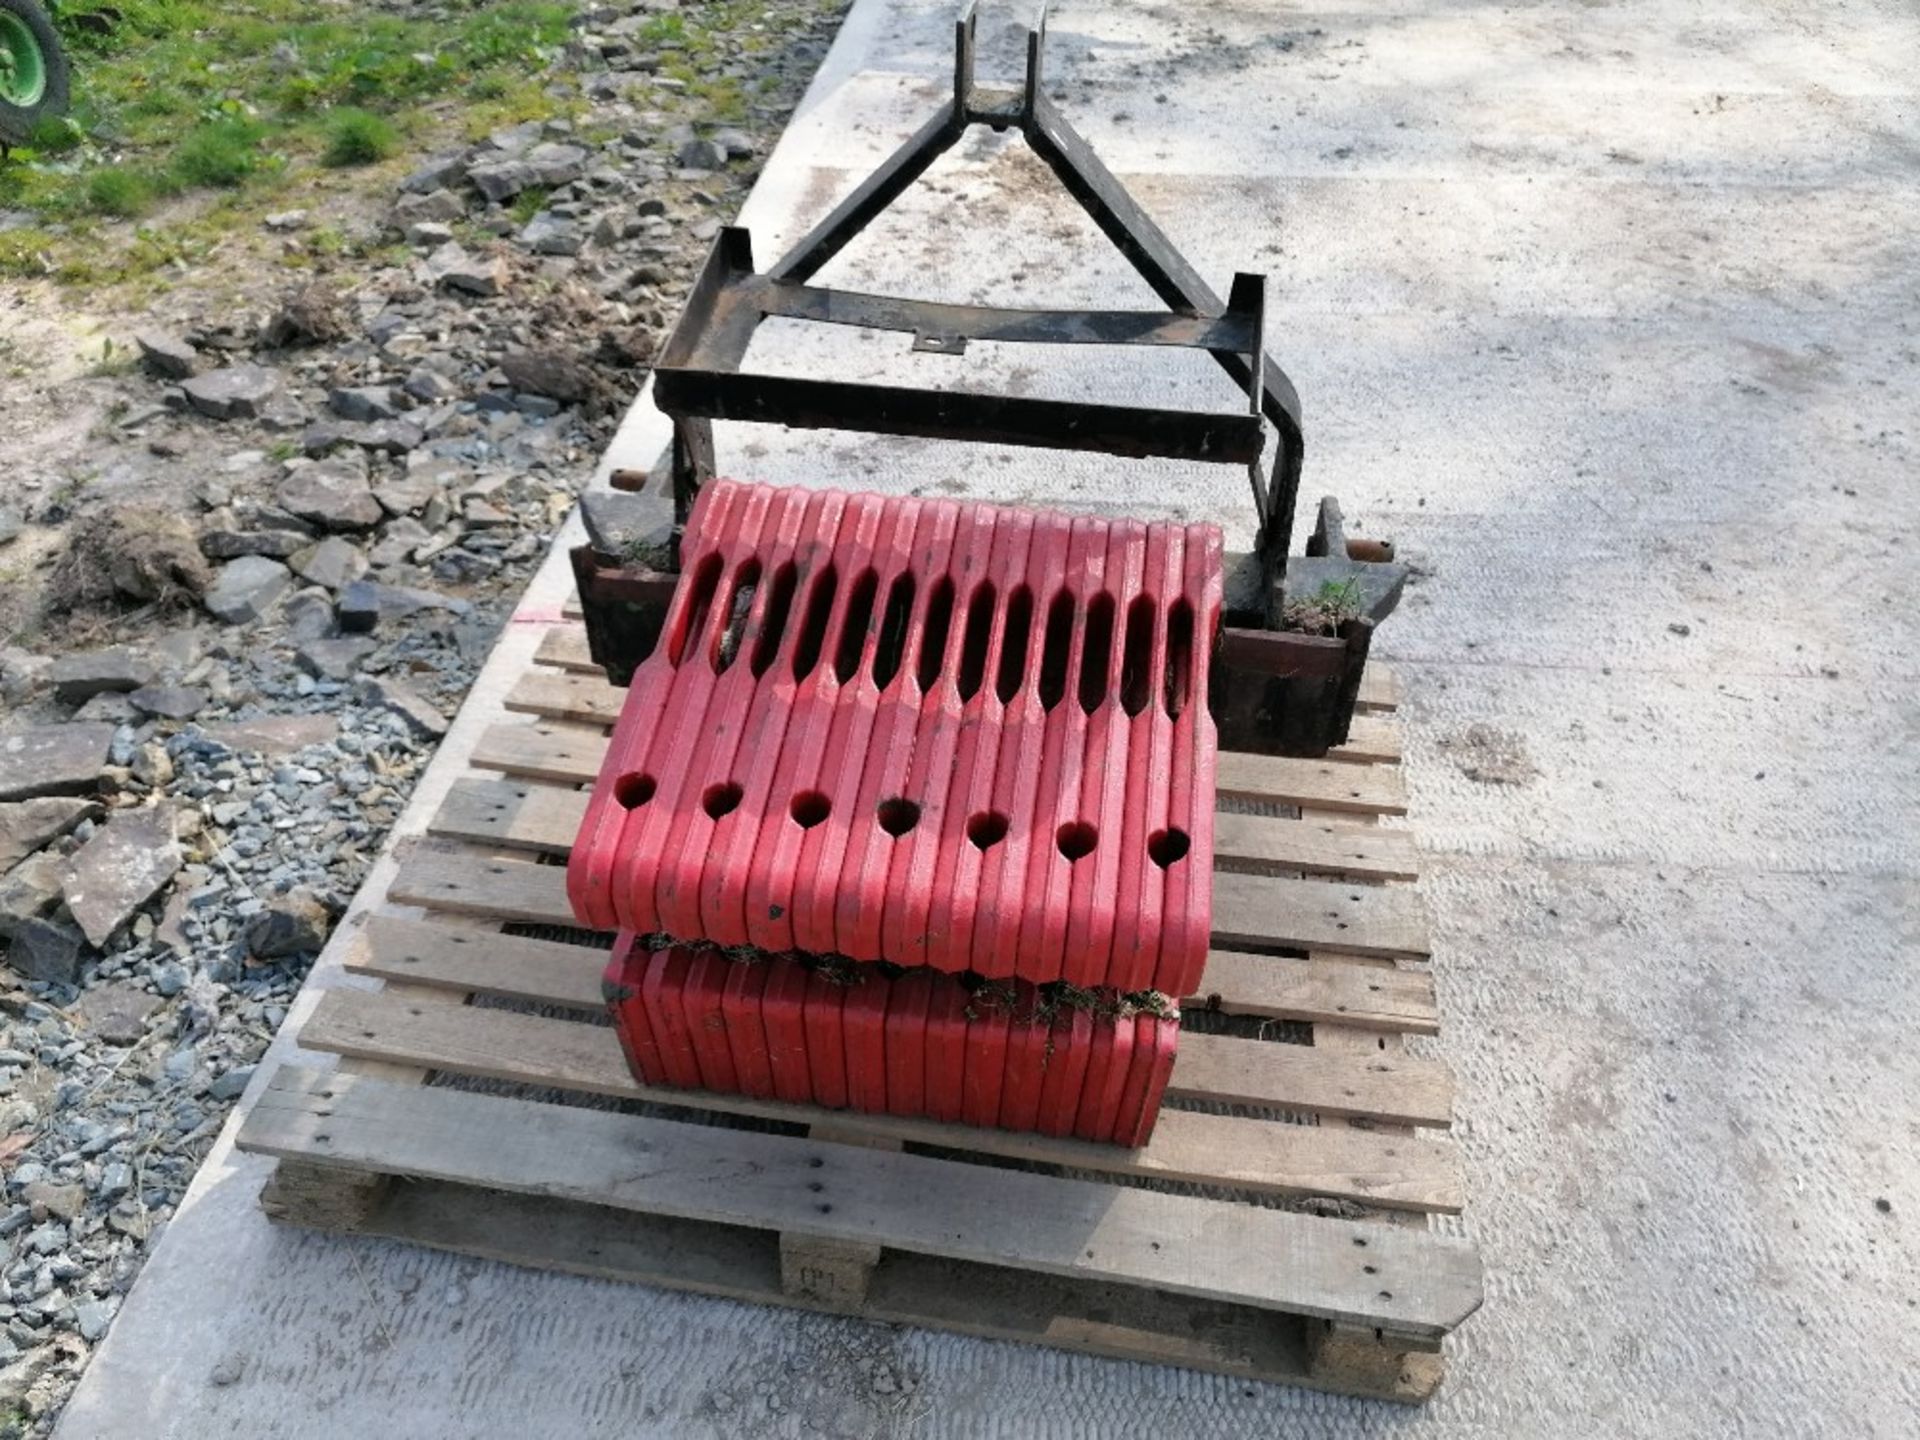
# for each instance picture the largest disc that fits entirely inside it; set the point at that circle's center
(698, 378)
(1278, 689)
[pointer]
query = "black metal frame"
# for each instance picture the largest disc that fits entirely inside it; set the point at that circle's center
(698, 379)
(1274, 688)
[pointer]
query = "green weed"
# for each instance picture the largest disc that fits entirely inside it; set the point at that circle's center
(359, 137)
(219, 153)
(118, 192)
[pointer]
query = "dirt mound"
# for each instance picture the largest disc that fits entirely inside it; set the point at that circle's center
(131, 553)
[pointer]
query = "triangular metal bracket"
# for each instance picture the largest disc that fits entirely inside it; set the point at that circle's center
(698, 377)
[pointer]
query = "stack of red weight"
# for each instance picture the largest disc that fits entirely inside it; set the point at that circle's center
(911, 810)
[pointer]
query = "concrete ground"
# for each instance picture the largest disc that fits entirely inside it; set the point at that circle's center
(1606, 312)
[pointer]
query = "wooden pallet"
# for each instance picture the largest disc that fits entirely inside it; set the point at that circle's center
(1276, 1227)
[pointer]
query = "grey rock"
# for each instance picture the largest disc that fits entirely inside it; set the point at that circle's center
(701, 155)
(502, 179)
(430, 387)
(53, 760)
(308, 615)
(435, 208)
(26, 825)
(554, 163)
(512, 139)
(481, 514)
(176, 651)
(30, 889)
(119, 869)
(167, 355)
(451, 267)
(50, 1197)
(274, 735)
(171, 934)
(284, 412)
(295, 923)
(464, 567)
(169, 702)
(333, 493)
(609, 229)
(46, 950)
(734, 142)
(399, 539)
(230, 1085)
(391, 437)
(428, 233)
(436, 174)
(548, 372)
(91, 1318)
(246, 589)
(333, 659)
(77, 678)
(364, 402)
(424, 719)
(548, 234)
(152, 766)
(236, 392)
(117, 1013)
(116, 1178)
(283, 221)
(232, 544)
(407, 494)
(108, 706)
(48, 1239)
(11, 524)
(365, 603)
(332, 563)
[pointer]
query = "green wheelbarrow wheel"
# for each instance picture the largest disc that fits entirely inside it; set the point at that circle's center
(33, 71)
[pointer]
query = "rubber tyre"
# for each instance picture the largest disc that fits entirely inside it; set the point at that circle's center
(17, 122)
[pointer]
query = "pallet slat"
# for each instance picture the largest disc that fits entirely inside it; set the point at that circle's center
(1261, 913)
(572, 1055)
(1250, 912)
(548, 973)
(558, 753)
(565, 647)
(1259, 1157)
(1417, 1287)
(1277, 779)
(1324, 991)
(1114, 1321)
(1229, 1151)
(528, 815)
(1319, 784)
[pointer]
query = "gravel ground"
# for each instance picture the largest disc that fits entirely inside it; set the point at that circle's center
(248, 584)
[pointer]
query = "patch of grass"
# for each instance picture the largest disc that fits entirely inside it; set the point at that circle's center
(56, 135)
(119, 192)
(359, 137)
(113, 359)
(528, 203)
(200, 102)
(28, 254)
(1323, 612)
(664, 30)
(220, 154)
